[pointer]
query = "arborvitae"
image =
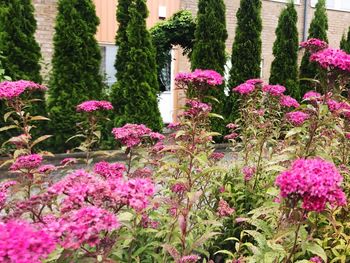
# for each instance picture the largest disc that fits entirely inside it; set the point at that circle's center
(246, 50)
(318, 29)
(75, 67)
(345, 42)
(20, 51)
(284, 67)
(135, 94)
(209, 48)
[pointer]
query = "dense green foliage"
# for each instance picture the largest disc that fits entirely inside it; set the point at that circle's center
(209, 48)
(318, 29)
(246, 50)
(284, 68)
(345, 42)
(134, 96)
(21, 52)
(177, 30)
(76, 65)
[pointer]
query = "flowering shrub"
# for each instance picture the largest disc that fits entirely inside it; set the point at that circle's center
(280, 195)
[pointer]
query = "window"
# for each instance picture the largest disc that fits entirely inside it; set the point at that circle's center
(343, 5)
(108, 71)
(162, 12)
(287, 1)
(164, 74)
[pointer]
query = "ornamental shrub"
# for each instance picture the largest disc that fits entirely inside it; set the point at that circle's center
(318, 29)
(345, 42)
(134, 96)
(209, 49)
(75, 68)
(284, 67)
(246, 51)
(20, 52)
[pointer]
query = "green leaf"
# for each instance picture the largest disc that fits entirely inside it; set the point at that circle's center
(214, 115)
(39, 118)
(40, 139)
(316, 250)
(226, 252)
(7, 115)
(8, 128)
(294, 131)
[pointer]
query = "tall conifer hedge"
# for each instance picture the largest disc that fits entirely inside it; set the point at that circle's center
(284, 67)
(75, 68)
(134, 95)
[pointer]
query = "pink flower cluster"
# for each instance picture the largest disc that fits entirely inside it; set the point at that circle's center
(297, 118)
(248, 172)
(312, 95)
(178, 188)
(288, 101)
(21, 243)
(248, 86)
(109, 170)
(47, 168)
(209, 77)
(332, 59)
(316, 260)
(68, 161)
(217, 156)
(84, 226)
(94, 105)
(12, 89)
(224, 209)
(245, 88)
(314, 44)
(4, 192)
(315, 181)
(196, 108)
(274, 90)
(27, 162)
(189, 259)
(132, 134)
(81, 188)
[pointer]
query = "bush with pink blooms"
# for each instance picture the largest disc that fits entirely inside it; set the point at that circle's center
(278, 194)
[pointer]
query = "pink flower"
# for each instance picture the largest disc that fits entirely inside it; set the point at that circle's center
(316, 260)
(314, 45)
(209, 77)
(248, 172)
(314, 181)
(4, 192)
(274, 90)
(28, 162)
(131, 134)
(254, 81)
(109, 170)
(13, 89)
(21, 243)
(232, 126)
(156, 136)
(85, 225)
(231, 136)
(245, 88)
(347, 135)
(48, 168)
(189, 259)
(174, 125)
(312, 95)
(224, 209)
(68, 161)
(94, 105)
(297, 118)
(332, 59)
(288, 101)
(179, 188)
(333, 105)
(217, 156)
(196, 108)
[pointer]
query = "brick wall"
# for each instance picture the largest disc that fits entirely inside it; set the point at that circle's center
(45, 13)
(338, 24)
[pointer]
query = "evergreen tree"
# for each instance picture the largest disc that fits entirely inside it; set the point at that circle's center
(284, 67)
(135, 93)
(318, 29)
(345, 42)
(20, 51)
(209, 48)
(246, 50)
(75, 67)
